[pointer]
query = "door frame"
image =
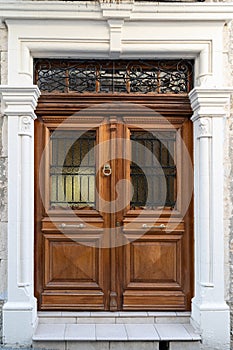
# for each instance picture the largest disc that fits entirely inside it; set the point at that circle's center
(82, 110)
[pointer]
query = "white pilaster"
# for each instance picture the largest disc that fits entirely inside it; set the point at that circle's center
(19, 313)
(209, 309)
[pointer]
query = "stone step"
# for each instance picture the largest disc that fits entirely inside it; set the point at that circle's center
(113, 336)
(118, 345)
(140, 317)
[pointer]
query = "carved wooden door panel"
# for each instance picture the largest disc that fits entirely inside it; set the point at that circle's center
(72, 269)
(113, 228)
(157, 270)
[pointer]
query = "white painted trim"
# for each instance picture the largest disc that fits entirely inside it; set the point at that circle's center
(174, 30)
(209, 308)
(19, 312)
(133, 10)
(117, 38)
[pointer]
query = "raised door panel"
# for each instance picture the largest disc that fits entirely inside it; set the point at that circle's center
(70, 263)
(153, 274)
(156, 261)
(73, 270)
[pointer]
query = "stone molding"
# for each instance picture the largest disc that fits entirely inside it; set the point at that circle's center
(131, 9)
(210, 107)
(19, 312)
(20, 101)
(210, 102)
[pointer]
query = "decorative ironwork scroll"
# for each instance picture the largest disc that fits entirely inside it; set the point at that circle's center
(114, 76)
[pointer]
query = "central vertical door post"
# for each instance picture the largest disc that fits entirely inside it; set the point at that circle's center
(113, 291)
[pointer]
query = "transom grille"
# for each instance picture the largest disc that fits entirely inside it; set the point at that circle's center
(153, 171)
(114, 76)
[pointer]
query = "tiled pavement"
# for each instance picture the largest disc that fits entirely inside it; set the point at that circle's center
(115, 332)
(118, 330)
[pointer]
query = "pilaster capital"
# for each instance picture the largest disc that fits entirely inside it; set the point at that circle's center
(204, 127)
(210, 102)
(19, 101)
(25, 126)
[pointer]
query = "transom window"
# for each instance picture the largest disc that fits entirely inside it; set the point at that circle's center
(114, 76)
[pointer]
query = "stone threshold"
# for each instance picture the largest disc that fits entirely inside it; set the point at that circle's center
(69, 317)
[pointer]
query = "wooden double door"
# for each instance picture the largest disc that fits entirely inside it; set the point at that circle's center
(113, 211)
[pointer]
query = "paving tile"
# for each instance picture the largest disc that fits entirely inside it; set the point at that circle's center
(87, 345)
(111, 332)
(52, 345)
(141, 332)
(162, 313)
(172, 332)
(76, 314)
(133, 314)
(174, 319)
(134, 320)
(194, 334)
(80, 332)
(104, 314)
(132, 345)
(50, 332)
(183, 313)
(185, 345)
(56, 320)
(48, 313)
(96, 320)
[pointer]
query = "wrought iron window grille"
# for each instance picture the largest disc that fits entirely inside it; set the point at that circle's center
(114, 76)
(72, 170)
(155, 183)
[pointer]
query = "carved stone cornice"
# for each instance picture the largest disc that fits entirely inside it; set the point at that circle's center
(210, 102)
(19, 101)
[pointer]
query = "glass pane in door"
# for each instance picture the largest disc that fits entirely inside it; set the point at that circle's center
(72, 169)
(153, 169)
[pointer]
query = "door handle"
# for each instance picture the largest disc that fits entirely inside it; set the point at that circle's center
(162, 226)
(63, 225)
(107, 171)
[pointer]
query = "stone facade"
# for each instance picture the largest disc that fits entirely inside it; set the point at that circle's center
(228, 168)
(3, 178)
